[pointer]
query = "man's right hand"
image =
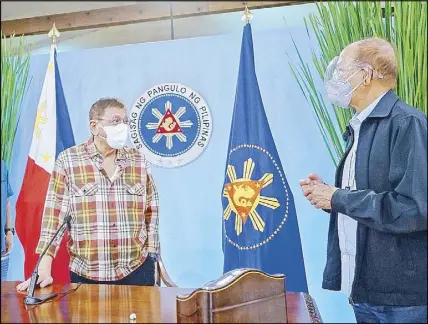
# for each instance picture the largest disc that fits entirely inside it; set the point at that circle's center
(45, 279)
(308, 184)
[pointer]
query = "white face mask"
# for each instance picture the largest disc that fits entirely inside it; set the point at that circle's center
(340, 92)
(116, 135)
(336, 81)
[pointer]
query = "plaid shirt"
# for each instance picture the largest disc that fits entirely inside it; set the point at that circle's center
(114, 221)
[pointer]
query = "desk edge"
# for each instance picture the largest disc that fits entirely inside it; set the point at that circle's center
(312, 309)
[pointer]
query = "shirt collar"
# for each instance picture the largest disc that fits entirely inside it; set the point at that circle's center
(90, 147)
(360, 117)
(92, 151)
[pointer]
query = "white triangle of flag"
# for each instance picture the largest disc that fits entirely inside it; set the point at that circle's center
(43, 144)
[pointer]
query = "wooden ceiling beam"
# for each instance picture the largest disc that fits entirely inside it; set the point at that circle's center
(143, 11)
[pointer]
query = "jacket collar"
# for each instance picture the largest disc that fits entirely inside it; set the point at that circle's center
(382, 109)
(384, 106)
(346, 133)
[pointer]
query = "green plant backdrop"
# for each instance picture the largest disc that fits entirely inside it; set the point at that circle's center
(336, 25)
(15, 64)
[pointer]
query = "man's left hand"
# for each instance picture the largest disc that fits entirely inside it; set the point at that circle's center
(9, 241)
(320, 196)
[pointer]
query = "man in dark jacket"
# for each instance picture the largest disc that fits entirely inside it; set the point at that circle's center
(377, 240)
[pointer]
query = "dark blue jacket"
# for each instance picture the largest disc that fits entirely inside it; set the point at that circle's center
(390, 206)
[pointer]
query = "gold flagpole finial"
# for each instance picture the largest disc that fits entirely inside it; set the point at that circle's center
(247, 15)
(54, 34)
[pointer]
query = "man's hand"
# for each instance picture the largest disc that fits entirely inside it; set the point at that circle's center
(9, 241)
(45, 278)
(320, 196)
(309, 183)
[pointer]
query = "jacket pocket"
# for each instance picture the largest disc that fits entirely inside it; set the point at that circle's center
(388, 265)
(408, 254)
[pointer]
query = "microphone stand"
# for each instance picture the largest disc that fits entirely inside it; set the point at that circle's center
(30, 299)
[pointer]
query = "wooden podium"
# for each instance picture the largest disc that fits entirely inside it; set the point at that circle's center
(239, 296)
(114, 304)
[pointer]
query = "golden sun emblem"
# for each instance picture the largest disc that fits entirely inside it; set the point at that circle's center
(46, 157)
(244, 197)
(40, 119)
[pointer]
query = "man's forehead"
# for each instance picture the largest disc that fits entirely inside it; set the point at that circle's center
(113, 111)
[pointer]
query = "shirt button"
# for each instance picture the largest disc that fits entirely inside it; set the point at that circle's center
(112, 205)
(113, 225)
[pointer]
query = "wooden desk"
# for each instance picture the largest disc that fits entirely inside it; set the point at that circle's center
(109, 304)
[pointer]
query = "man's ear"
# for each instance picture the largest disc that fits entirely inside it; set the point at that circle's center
(368, 76)
(93, 127)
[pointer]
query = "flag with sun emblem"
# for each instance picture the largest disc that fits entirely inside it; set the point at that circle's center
(260, 228)
(52, 134)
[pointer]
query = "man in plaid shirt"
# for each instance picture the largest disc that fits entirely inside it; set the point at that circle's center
(108, 190)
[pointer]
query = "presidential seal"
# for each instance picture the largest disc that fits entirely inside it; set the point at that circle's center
(255, 197)
(171, 124)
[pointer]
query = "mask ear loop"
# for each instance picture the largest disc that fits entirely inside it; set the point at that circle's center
(358, 84)
(104, 138)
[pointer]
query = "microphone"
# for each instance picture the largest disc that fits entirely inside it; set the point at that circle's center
(30, 299)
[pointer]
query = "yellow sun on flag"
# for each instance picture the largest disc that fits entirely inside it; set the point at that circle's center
(46, 157)
(40, 119)
(244, 197)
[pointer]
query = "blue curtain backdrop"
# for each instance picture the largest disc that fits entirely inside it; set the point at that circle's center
(190, 207)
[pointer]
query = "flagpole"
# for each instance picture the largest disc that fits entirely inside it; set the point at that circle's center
(54, 34)
(247, 16)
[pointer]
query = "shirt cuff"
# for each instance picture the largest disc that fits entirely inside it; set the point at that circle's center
(154, 256)
(151, 249)
(51, 251)
(338, 201)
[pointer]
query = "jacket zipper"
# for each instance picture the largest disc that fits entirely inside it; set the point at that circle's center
(342, 161)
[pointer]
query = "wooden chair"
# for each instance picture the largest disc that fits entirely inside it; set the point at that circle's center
(161, 275)
(239, 296)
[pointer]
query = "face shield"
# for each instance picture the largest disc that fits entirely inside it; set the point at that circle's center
(337, 75)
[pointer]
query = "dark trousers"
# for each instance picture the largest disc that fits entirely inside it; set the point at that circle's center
(365, 313)
(144, 275)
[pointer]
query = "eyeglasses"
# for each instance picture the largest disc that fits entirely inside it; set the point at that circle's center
(116, 120)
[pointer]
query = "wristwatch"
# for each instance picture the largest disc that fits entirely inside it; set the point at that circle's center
(9, 229)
